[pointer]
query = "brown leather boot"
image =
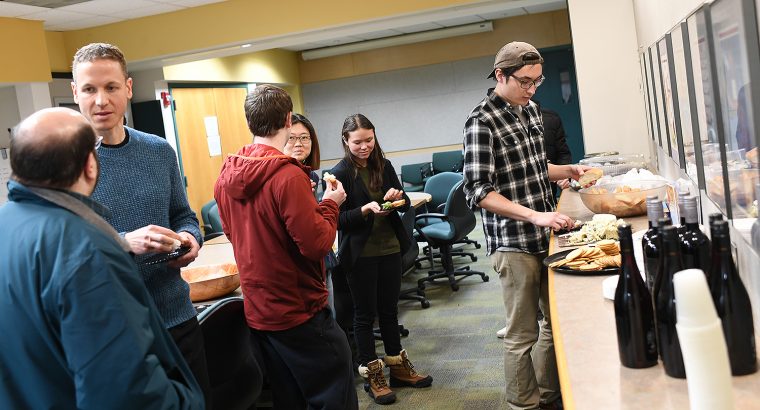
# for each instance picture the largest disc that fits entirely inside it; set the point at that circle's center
(375, 384)
(403, 373)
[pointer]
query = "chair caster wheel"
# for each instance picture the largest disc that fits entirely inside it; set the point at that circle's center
(425, 304)
(455, 288)
(485, 278)
(474, 258)
(404, 332)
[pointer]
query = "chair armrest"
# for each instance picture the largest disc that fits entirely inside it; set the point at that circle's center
(441, 217)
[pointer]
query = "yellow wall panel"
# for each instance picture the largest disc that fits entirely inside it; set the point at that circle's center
(541, 30)
(24, 51)
(236, 21)
(60, 62)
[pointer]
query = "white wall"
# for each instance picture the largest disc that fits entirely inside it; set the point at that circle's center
(9, 115)
(144, 84)
(609, 78)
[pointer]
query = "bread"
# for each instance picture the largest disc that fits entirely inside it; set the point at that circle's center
(590, 176)
(328, 177)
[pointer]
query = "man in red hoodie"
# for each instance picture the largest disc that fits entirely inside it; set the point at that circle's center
(280, 236)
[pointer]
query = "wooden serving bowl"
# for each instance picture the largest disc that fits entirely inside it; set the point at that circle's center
(211, 281)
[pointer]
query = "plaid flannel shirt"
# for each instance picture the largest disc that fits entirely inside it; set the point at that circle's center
(502, 155)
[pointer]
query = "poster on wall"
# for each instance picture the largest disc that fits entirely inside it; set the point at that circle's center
(657, 97)
(734, 33)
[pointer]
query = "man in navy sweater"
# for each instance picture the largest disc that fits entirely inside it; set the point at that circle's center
(141, 184)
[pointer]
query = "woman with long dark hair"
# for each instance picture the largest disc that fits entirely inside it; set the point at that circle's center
(372, 240)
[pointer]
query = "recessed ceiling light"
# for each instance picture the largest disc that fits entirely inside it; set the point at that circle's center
(245, 45)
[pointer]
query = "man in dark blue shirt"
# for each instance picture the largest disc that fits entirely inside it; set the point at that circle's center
(81, 330)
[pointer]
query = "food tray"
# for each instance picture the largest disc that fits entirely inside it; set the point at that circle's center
(562, 269)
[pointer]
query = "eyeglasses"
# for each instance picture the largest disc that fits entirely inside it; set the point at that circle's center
(305, 139)
(98, 141)
(526, 84)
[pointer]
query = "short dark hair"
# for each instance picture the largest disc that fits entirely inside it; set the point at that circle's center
(266, 110)
(376, 160)
(98, 51)
(508, 71)
(53, 163)
(313, 159)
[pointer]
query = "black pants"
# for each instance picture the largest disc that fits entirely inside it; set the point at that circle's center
(308, 366)
(375, 283)
(189, 339)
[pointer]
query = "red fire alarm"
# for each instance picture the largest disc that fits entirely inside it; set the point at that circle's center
(166, 98)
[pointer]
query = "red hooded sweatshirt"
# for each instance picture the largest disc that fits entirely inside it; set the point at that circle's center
(279, 234)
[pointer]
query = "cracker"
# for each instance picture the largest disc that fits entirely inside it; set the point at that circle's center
(590, 176)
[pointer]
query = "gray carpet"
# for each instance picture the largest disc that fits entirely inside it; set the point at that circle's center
(454, 341)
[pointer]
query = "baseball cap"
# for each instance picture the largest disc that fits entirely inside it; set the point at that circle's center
(516, 54)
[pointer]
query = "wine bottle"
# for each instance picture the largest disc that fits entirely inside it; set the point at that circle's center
(695, 246)
(717, 216)
(665, 303)
(732, 303)
(756, 225)
(650, 240)
(634, 316)
(681, 212)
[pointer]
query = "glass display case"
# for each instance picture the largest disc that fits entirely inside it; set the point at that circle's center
(654, 58)
(647, 92)
(669, 97)
(685, 96)
(733, 30)
(707, 109)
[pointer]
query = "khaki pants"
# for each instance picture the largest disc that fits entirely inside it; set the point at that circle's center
(530, 367)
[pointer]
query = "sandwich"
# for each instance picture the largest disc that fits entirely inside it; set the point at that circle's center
(391, 205)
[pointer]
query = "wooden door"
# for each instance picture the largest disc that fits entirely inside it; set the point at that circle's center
(192, 106)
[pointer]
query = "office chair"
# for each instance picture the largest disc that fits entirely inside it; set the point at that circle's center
(448, 161)
(204, 216)
(442, 230)
(233, 364)
(409, 259)
(214, 222)
(415, 175)
(439, 186)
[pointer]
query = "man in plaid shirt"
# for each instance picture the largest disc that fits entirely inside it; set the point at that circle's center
(506, 175)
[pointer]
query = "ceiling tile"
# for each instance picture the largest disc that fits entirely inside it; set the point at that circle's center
(15, 10)
(418, 27)
(155, 8)
(84, 23)
(53, 17)
(460, 21)
(107, 7)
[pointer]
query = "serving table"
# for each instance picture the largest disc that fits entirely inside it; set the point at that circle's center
(583, 324)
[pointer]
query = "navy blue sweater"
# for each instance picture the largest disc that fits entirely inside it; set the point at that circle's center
(141, 185)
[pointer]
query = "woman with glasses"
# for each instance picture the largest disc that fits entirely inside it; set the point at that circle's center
(372, 239)
(303, 145)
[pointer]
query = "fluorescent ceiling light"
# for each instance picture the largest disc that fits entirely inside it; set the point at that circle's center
(398, 40)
